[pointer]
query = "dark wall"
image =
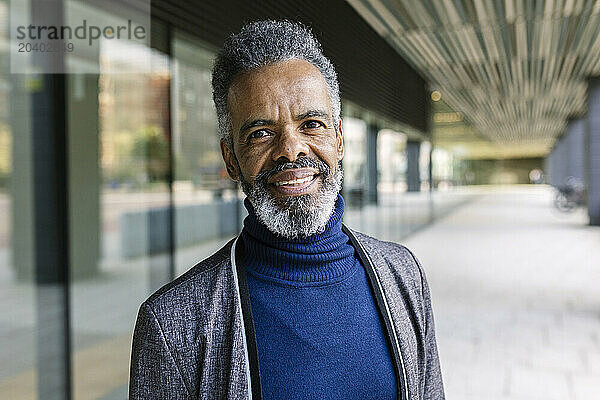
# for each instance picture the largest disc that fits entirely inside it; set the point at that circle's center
(371, 73)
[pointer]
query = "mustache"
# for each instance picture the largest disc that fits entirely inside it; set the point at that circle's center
(303, 162)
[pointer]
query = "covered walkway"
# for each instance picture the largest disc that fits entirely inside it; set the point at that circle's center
(516, 296)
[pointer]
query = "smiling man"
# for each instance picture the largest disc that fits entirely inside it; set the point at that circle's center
(298, 306)
(285, 145)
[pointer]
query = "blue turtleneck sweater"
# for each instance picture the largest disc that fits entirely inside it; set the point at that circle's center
(319, 334)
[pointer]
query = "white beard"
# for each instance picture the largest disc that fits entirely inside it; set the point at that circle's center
(296, 216)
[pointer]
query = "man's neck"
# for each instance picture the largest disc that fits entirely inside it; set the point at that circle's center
(318, 258)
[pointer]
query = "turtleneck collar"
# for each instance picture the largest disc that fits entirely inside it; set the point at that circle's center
(318, 259)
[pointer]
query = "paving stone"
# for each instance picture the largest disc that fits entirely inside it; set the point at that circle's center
(592, 361)
(454, 348)
(539, 384)
(476, 379)
(517, 282)
(587, 387)
(556, 358)
(572, 338)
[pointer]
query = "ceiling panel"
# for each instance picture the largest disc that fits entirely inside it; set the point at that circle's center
(516, 69)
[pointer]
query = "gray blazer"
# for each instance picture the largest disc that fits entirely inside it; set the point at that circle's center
(194, 337)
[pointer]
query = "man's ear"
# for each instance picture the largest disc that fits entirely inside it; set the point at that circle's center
(339, 135)
(229, 158)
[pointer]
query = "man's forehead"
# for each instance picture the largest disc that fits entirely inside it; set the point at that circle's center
(295, 83)
(296, 69)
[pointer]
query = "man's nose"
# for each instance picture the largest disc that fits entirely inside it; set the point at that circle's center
(290, 146)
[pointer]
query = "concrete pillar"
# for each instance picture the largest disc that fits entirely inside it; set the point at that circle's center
(593, 152)
(413, 176)
(21, 183)
(558, 163)
(563, 161)
(51, 233)
(430, 171)
(84, 174)
(575, 143)
(553, 172)
(84, 181)
(548, 166)
(567, 157)
(372, 172)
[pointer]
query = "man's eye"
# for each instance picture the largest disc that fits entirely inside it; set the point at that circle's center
(313, 125)
(258, 134)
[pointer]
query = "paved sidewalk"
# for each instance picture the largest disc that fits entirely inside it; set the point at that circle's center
(514, 289)
(516, 294)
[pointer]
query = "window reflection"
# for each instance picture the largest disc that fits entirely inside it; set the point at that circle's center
(208, 207)
(148, 198)
(17, 291)
(121, 124)
(354, 161)
(391, 161)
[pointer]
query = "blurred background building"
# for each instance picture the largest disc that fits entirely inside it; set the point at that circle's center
(112, 184)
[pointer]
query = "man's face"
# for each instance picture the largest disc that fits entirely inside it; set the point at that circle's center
(286, 147)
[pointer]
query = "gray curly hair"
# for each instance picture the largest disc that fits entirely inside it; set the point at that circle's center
(262, 43)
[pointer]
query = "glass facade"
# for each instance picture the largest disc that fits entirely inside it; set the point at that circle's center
(207, 203)
(148, 197)
(396, 212)
(119, 166)
(355, 159)
(391, 156)
(17, 289)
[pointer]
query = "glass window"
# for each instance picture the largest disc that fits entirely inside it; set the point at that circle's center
(391, 213)
(442, 168)
(424, 159)
(355, 160)
(120, 224)
(207, 204)
(391, 161)
(18, 326)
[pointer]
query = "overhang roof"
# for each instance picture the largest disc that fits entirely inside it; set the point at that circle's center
(516, 69)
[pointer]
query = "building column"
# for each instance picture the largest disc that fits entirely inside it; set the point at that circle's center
(22, 183)
(372, 171)
(413, 177)
(593, 152)
(575, 141)
(40, 228)
(84, 174)
(549, 168)
(430, 169)
(562, 162)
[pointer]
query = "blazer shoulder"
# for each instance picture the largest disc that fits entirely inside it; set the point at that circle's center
(205, 271)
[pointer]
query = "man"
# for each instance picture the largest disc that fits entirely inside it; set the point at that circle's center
(298, 306)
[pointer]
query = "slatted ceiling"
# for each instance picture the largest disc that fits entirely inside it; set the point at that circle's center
(372, 74)
(517, 69)
(388, 16)
(369, 17)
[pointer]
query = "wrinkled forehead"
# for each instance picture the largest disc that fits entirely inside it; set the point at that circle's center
(293, 84)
